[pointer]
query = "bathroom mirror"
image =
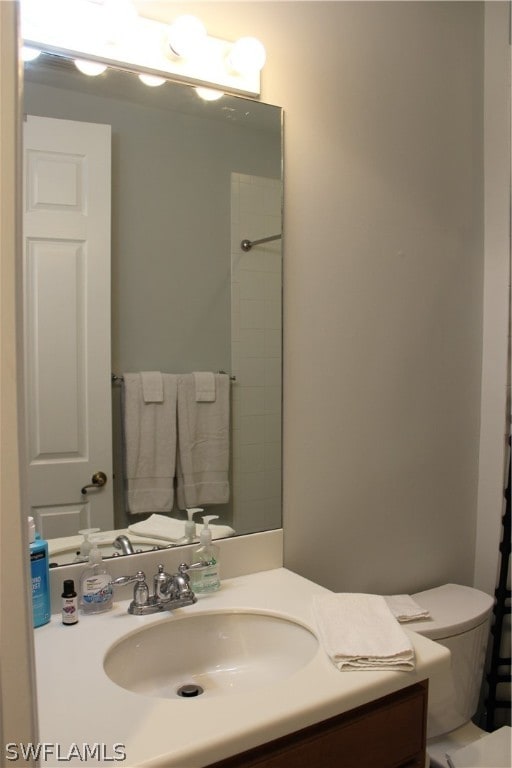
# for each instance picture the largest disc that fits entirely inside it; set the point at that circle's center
(190, 180)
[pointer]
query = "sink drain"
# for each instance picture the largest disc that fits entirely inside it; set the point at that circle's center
(190, 690)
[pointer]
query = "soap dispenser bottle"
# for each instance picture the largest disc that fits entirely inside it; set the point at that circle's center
(82, 556)
(190, 527)
(206, 579)
(95, 584)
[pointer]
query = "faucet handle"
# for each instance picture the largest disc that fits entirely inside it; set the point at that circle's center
(184, 567)
(140, 591)
(121, 581)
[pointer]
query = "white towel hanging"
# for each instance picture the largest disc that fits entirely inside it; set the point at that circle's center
(152, 386)
(205, 386)
(150, 446)
(203, 444)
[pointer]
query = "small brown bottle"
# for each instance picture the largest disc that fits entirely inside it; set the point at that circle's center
(69, 604)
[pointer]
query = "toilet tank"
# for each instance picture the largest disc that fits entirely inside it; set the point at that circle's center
(459, 621)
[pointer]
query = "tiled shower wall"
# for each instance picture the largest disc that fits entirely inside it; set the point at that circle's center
(256, 338)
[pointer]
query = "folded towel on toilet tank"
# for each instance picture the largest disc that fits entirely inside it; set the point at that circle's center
(358, 631)
(405, 608)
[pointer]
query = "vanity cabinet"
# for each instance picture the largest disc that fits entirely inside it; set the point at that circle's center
(387, 733)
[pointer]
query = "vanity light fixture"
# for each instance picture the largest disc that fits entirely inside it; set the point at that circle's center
(91, 68)
(187, 34)
(111, 32)
(247, 55)
(209, 94)
(152, 80)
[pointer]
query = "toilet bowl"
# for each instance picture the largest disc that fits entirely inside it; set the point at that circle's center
(459, 620)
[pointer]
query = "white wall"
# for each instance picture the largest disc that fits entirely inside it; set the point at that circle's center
(382, 478)
(383, 282)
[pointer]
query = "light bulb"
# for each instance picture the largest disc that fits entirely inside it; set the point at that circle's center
(28, 53)
(209, 94)
(91, 68)
(247, 55)
(152, 80)
(186, 35)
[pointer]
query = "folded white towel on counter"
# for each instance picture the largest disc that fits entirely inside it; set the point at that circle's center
(170, 529)
(150, 445)
(152, 386)
(203, 444)
(405, 608)
(358, 632)
(205, 386)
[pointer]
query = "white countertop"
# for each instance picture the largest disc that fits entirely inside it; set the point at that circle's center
(79, 705)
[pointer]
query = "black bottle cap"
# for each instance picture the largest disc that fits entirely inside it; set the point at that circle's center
(69, 588)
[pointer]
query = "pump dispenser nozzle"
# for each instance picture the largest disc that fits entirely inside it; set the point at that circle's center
(190, 526)
(205, 536)
(95, 555)
(87, 544)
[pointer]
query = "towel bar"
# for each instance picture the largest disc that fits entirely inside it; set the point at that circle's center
(116, 379)
(246, 245)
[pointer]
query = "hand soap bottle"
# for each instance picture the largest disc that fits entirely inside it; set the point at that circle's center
(207, 554)
(190, 527)
(82, 556)
(95, 584)
(40, 573)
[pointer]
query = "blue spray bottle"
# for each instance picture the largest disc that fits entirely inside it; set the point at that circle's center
(40, 576)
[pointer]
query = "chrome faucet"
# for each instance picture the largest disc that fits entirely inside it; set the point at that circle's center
(123, 543)
(169, 590)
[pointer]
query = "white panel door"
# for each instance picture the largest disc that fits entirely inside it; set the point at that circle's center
(66, 237)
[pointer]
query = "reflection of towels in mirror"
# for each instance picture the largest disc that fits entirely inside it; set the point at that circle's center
(170, 529)
(150, 445)
(152, 386)
(203, 444)
(205, 386)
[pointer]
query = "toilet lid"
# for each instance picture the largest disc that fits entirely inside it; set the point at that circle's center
(492, 749)
(453, 609)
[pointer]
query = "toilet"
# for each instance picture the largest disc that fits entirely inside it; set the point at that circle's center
(460, 618)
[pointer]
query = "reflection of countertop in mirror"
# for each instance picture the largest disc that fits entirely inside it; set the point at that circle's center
(70, 545)
(64, 550)
(79, 704)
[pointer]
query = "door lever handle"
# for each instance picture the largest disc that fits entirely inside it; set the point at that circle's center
(98, 480)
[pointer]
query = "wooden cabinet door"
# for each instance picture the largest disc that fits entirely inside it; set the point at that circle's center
(387, 733)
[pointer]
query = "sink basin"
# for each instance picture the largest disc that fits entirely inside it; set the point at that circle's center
(213, 653)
